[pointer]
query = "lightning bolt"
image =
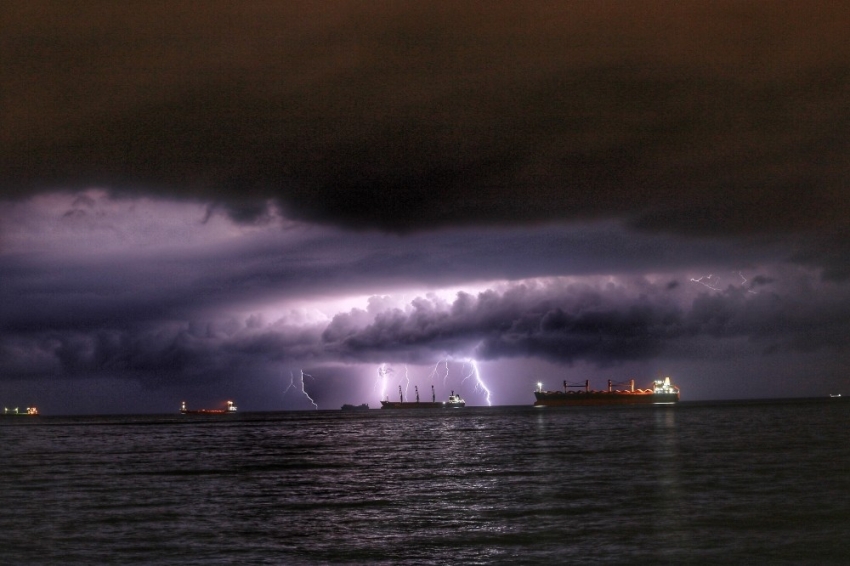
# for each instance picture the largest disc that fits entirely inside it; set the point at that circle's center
(713, 282)
(469, 374)
(303, 390)
(441, 367)
(479, 385)
(383, 372)
(708, 284)
(433, 375)
(407, 378)
(745, 282)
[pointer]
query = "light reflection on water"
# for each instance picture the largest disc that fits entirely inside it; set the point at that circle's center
(675, 484)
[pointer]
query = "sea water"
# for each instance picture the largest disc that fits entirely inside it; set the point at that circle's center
(695, 483)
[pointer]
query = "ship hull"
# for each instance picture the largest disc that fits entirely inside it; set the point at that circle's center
(230, 409)
(574, 398)
(411, 405)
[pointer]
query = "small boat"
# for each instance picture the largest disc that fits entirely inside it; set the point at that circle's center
(361, 407)
(835, 394)
(229, 410)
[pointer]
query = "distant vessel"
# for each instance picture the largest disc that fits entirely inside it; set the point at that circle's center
(229, 410)
(662, 392)
(29, 411)
(361, 407)
(454, 401)
(835, 394)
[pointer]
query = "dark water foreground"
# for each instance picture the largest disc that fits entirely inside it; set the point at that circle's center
(702, 483)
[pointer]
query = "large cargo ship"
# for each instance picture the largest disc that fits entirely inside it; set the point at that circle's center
(229, 410)
(28, 412)
(454, 401)
(662, 392)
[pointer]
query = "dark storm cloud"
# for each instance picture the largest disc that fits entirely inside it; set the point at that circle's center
(61, 285)
(602, 324)
(155, 354)
(167, 294)
(686, 161)
(721, 118)
(580, 323)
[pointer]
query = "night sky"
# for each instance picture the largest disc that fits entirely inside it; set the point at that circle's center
(227, 200)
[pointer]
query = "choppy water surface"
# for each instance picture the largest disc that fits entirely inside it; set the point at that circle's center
(761, 482)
